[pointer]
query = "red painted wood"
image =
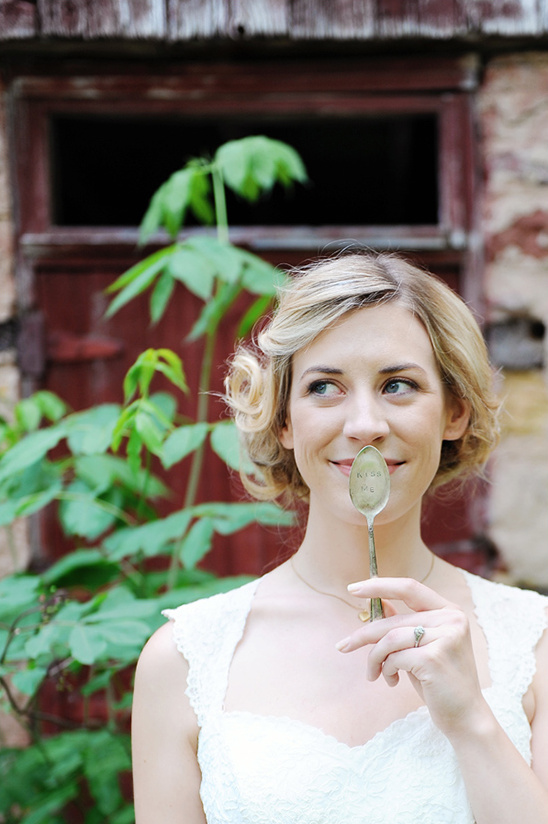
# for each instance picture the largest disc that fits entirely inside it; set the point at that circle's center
(62, 347)
(88, 356)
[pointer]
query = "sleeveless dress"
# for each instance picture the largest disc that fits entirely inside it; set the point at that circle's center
(273, 770)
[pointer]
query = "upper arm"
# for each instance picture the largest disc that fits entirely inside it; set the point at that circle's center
(166, 774)
(539, 726)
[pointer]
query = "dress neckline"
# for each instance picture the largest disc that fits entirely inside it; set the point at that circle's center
(420, 715)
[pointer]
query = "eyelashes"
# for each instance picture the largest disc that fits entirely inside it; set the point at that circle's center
(408, 384)
(397, 387)
(320, 388)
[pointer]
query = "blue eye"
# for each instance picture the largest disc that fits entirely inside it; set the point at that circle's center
(321, 388)
(398, 386)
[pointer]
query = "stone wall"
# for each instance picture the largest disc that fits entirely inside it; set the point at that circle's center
(14, 549)
(513, 112)
(14, 544)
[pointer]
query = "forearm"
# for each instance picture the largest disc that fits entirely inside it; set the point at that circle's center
(501, 787)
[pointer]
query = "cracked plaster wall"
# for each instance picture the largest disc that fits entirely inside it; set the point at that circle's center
(513, 110)
(14, 549)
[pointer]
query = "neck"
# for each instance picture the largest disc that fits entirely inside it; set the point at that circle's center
(335, 553)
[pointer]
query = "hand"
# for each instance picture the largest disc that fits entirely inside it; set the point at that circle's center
(441, 666)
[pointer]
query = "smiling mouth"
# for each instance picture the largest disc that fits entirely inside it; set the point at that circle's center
(345, 465)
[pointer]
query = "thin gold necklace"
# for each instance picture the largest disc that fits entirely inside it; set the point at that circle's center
(363, 614)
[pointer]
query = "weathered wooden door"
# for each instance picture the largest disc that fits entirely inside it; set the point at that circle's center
(389, 152)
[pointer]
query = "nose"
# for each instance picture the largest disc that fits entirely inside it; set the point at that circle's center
(366, 420)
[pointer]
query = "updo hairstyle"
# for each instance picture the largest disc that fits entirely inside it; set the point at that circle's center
(313, 300)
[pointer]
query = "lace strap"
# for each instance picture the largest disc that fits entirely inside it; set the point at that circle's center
(207, 632)
(513, 621)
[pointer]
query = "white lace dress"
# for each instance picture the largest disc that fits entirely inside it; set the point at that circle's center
(270, 770)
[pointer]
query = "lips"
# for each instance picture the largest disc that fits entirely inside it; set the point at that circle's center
(345, 465)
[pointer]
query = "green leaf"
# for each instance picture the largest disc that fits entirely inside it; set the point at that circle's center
(152, 219)
(29, 412)
(140, 374)
(104, 759)
(123, 816)
(229, 518)
(8, 511)
(181, 442)
(44, 641)
(90, 432)
(165, 404)
(31, 449)
(186, 189)
(38, 500)
(137, 279)
(86, 644)
(134, 447)
(17, 594)
(85, 514)
(214, 311)
(197, 542)
(150, 361)
(86, 563)
(171, 365)
(253, 165)
(149, 432)
(193, 269)
(259, 277)
(150, 539)
(125, 632)
(252, 315)
(97, 683)
(28, 681)
(107, 470)
(224, 258)
(118, 604)
(54, 801)
(161, 294)
(225, 443)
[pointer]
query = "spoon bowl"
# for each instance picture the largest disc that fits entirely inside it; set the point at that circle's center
(369, 488)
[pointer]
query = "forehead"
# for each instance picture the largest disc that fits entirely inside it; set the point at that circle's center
(370, 335)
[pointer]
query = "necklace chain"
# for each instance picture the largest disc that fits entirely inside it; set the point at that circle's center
(363, 614)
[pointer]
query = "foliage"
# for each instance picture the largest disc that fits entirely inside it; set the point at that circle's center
(76, 629)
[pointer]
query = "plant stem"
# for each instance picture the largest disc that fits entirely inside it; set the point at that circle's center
(201, 416)
(198, 456)
(202, 406)
(219, 197)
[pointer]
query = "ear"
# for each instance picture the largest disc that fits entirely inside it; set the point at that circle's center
(458, 418)
(286, 434)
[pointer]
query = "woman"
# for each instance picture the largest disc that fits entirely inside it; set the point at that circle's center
(275, 702)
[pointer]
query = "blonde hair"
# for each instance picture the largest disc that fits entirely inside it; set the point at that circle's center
(315, 298)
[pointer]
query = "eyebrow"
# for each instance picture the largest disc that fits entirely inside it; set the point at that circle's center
(400, 367)
(386, 370)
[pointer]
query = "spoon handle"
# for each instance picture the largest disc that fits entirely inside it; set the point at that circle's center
(376, 603)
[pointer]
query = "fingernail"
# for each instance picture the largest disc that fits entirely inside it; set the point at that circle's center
(341, 645)
(353, 587)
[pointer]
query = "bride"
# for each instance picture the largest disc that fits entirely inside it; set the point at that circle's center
(276, 703)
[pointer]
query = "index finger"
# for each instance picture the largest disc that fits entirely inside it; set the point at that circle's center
(415, 595)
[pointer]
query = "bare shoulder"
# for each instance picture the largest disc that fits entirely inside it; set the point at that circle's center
(160, 683)
(164, 737)
(160, 656)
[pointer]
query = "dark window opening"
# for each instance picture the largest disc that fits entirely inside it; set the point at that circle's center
(368, 170)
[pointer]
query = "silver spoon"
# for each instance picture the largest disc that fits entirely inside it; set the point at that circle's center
(369, 487)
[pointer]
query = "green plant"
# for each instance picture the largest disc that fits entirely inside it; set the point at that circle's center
(78, 627)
